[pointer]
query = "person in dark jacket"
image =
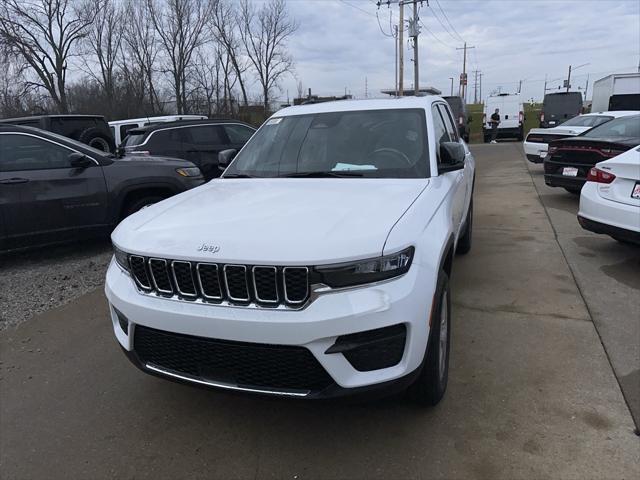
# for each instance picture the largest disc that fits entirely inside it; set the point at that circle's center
(495, 121)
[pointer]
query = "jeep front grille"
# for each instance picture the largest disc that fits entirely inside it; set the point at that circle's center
(261, 285)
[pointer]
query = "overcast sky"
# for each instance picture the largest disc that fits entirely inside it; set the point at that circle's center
(339, 43)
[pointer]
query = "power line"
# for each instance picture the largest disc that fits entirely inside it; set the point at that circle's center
(357, 8)
(449, 22)
(434, 35)
(443, 25)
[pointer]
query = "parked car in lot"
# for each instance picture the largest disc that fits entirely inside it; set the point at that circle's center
(89, 129)
(537, 142)
(54, 189)
(569, 160)
(460, 114)
(324, 269)
(120, 128)
(610, 199)
(511, 116)
(559, 107)
(198, 141)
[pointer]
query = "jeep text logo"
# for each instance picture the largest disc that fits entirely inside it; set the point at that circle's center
(209, 248)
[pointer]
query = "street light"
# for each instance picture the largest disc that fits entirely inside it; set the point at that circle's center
(451, 78)
(569, 76)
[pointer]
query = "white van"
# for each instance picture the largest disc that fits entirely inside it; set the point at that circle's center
(119, 128)
(511, 116)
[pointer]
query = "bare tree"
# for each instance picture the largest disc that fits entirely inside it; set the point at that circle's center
(44, 33)
(180, 26)
(264, 34)
(139, 61)
(225, 20)
(104, 41)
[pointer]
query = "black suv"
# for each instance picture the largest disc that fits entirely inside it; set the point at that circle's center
(198, 141)
(90, 129)
(54, 189)
(459, 109)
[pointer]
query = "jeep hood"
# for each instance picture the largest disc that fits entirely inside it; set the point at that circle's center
(272, 221)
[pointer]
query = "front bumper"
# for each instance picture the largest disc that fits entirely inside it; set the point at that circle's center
(535, 152)
(600, 215)
(405, 300)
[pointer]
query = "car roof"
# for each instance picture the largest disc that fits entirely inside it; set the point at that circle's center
(187, 123)
(37, 117)
(357, 105)
(162, 118)
(615, 113)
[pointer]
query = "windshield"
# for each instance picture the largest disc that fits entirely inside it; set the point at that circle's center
(456, 105)
(367, 143)
(620, 127)
(133, 139)
(72, 142)
(587, 121)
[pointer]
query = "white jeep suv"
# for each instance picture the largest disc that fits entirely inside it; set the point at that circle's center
(318, 265)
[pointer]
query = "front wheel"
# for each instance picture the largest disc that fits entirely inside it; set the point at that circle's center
(431, 384)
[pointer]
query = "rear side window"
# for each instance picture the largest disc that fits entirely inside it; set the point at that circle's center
(238, 133)
(133, 139)
(206, 135)
(24, 152)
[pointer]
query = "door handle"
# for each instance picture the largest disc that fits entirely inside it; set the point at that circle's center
(14, 180)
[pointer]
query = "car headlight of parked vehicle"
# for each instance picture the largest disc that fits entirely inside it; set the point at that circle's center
(189, 172)
(366, 271)
(122, 259)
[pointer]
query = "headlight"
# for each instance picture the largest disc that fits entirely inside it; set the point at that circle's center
(366, 271)
(122, 258)
(189, 172)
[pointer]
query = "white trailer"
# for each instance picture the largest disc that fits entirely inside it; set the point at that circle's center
(620, 91)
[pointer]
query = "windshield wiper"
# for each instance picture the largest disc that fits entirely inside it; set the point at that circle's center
(238, 175)
(320, 174)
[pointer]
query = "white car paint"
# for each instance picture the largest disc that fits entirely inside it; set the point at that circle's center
(536, 151)
(119, 128)
(612, 204)
(305, 222)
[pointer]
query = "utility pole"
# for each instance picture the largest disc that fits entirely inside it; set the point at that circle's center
(475, 85)
(569, 79)
(401, 47)
(545, 86)
(463, 77)
(416, 32)
(395, 38)
(451, 78)
(481, 88)
(520, 86)
(366, 92)
(586, 87)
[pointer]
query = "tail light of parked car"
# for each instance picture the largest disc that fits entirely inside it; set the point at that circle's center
(460, 120)
(484, 118)
(600, 176)
(521, 117)
(542, 117)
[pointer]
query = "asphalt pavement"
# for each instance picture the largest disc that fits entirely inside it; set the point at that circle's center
(532, 391)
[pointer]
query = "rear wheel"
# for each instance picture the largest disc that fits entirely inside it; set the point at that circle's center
(431, 384)
(96, 138)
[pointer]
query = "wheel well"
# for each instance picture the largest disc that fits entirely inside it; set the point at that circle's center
(448, 261)
(136, 195)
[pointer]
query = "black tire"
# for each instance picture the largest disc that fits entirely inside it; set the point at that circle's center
(134, 205)
(97, 139)
(573, 190)
(431, 384)
(464, 242)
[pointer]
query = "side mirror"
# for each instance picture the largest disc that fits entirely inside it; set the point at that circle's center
(225, 157)
(79, 160)
(451, 157)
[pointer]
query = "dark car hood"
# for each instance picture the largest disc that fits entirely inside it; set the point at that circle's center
(154, 159)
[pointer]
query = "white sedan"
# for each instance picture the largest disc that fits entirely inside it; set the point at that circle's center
(610, 200)
(537, 141)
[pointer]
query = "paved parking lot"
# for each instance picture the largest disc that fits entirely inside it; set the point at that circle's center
(532, 391)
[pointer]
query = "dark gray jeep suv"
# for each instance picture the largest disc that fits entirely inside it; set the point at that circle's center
(54, 189)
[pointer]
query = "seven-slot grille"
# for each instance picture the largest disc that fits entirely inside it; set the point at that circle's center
(267, 286)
